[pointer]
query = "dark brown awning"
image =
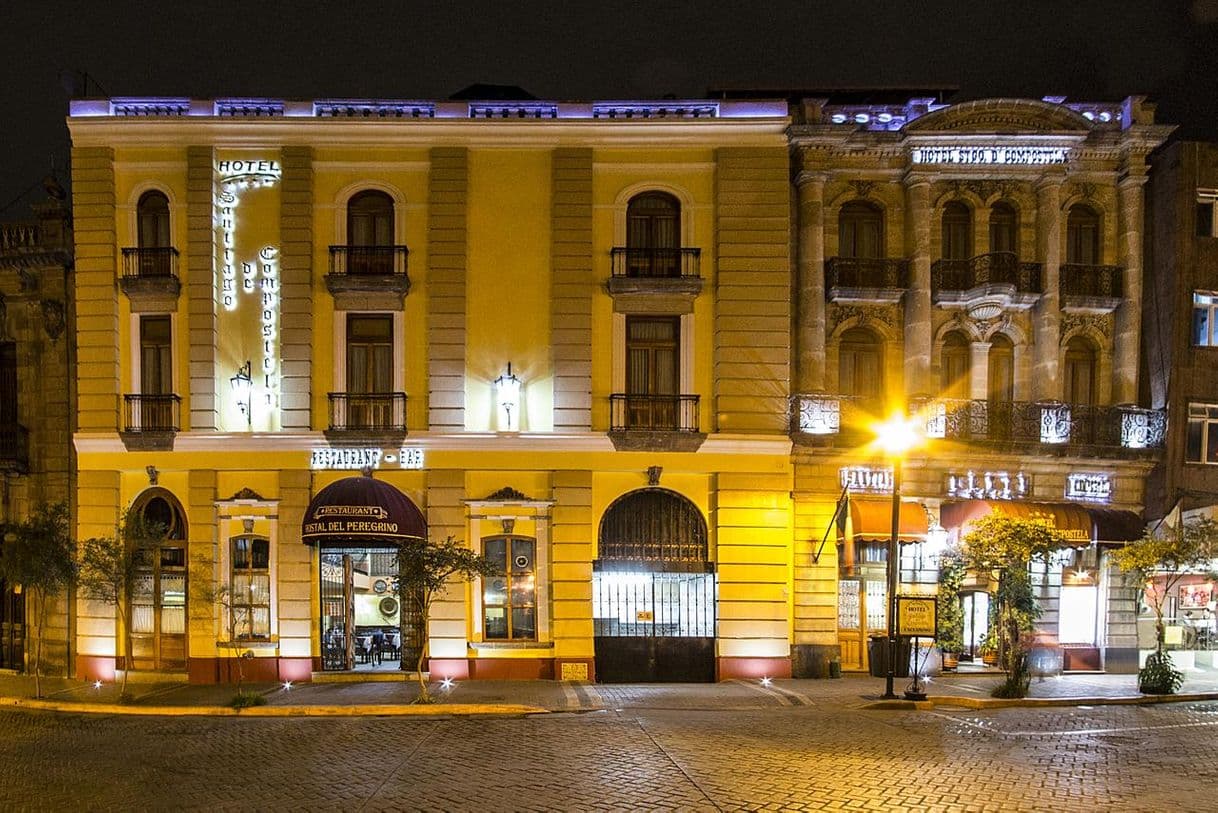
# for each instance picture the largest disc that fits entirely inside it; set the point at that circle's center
(1073, 521)
(872, 519)
(1116, 525)
(362, 511)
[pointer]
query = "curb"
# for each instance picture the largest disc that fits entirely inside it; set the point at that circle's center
(382, 710)
(944, 700)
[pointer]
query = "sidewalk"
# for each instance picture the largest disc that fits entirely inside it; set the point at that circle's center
(517, 698)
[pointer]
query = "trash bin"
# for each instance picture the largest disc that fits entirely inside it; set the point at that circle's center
(877, 654)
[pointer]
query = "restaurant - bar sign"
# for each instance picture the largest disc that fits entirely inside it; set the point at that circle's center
(357, 459)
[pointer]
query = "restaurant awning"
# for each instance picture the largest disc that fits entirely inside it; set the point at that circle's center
(872, 519)
(1073, 521)
(362, 511)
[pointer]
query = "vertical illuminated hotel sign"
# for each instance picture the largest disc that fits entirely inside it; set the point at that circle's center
(246, 197)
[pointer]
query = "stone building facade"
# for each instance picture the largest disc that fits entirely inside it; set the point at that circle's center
(979, 265)
(35, 386)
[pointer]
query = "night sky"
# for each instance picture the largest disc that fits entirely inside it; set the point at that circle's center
(581, 49)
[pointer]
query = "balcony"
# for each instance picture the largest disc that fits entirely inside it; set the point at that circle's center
(865, 279)
(997, 279)
(654, 422)
(368, 412)
(14, 448)
(1090, 288)
(655, 279)
(150, 279)
(1020, 426)
(368, 277)
(150, 422)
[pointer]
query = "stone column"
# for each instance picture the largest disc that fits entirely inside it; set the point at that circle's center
(1128, 315)
(979, 370)
(1047, 314)
(810, 317)
(917, 298)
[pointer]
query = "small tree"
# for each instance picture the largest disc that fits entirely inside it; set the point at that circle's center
(950, 626)
(1004, 547)
(1159, 561)
(424, 568)
(207, 591)
(108, 566)
(39, 555)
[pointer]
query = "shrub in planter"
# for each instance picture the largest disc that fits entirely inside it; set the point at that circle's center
(1158, 676)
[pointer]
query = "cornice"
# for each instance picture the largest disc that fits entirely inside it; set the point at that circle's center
(237, 133)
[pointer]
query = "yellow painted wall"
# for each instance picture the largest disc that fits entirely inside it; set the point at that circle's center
(508, 284)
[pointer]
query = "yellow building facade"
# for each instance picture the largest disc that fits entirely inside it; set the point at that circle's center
(557, 333)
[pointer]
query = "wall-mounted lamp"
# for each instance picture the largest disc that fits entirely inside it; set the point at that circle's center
(507, 393)
(243, 385)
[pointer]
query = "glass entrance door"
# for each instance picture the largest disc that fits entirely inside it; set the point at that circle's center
(976, 623)
(364, 628)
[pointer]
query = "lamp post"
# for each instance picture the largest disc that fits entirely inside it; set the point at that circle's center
(897, 436)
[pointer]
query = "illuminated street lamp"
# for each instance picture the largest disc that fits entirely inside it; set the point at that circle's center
(896, 436)
(243, 384)
(507, 389)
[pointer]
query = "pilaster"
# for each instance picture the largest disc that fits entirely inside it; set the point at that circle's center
(447, 255)
(917, 298)
(810, 318)
(1126, 343)
(1046, 317)
(200, 290)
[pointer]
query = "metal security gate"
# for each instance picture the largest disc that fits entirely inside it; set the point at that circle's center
(654, 627)
(12, 628)
(653, 591)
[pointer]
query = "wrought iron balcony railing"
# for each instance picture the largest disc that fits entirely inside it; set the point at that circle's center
(865, 272)
(150, 263)
(653, 413)
(368, 411)
(995, 268)
(14, 447)
(152, 413)
(368, 261)
(848, 420)
(657, 263)
(1101, 281)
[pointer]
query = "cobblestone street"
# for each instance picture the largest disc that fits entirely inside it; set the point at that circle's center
(784, 757)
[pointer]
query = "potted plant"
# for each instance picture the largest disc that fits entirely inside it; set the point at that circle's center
(989, 648)
(950, 625)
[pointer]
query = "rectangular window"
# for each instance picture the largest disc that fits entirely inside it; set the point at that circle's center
(1202, 441)
(369, 353)
(250, 597)
(156, 356)
(1205, 218)
(1205, 325)
(509, 600)
(8, 383)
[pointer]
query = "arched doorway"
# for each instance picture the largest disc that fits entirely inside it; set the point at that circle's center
(653, 591)
(358, 523)
(158, 598)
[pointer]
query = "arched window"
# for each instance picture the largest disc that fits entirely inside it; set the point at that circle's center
(653, 235)
(1082, 236)
(152, 215)
(957, 231)
(1004, 228)
(158, 597)
(653, 525)
(370, 219)
(1000, 386)
(859, 368)
(860, 231)
(1080, 372)
(370, 233)
(954, 366)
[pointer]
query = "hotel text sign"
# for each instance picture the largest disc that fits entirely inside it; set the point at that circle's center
(1095, 487)
(356, 459)
(1011, 156)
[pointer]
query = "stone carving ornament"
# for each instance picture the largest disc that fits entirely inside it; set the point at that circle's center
(1083, 321)
(866, 314)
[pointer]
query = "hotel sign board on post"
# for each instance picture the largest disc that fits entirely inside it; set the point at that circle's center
(917, 616)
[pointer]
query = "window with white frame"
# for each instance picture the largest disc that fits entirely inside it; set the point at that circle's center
(250, 587)
(1202, 441)
(509, 599)
(1205, 319)
(1207, 214)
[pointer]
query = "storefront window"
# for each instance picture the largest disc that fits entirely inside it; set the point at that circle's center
(509, 600)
